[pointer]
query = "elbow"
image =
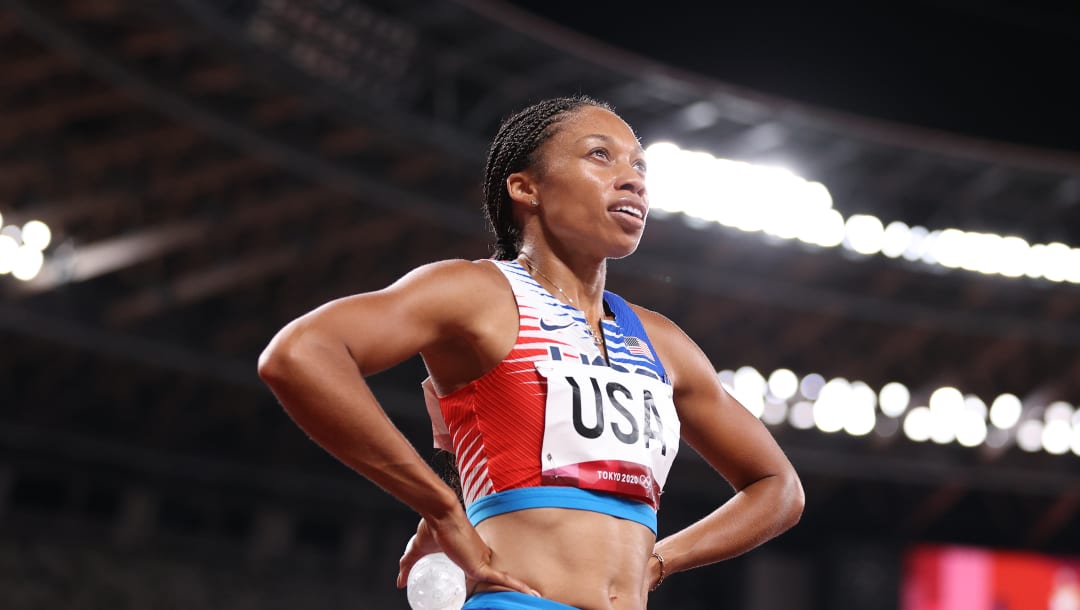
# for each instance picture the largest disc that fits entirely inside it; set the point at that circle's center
(793, 501)
(279, 360)
(271, 366)
(297, 354)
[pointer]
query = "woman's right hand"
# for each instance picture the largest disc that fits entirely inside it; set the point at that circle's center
(421, 543)
(456, 537)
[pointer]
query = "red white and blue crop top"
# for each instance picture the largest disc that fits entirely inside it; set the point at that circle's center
(555, 424)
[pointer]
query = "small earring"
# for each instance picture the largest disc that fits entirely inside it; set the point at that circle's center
(533, 203)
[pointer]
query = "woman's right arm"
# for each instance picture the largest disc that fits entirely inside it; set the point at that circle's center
(316, 367)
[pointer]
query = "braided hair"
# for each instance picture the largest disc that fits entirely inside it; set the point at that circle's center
(514, 149)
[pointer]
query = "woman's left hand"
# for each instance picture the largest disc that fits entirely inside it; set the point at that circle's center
(653, 572)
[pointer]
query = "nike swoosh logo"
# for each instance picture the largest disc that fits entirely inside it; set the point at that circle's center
(545, 326)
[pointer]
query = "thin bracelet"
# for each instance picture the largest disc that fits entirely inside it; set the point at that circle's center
(660, 559)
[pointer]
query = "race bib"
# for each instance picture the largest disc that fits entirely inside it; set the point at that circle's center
(607, 430)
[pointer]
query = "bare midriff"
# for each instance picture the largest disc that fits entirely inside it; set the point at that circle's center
(583, 559)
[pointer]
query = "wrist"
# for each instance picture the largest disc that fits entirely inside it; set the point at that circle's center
(661, 571)
(443, 507)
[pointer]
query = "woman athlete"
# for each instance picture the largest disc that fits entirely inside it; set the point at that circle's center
(563, 403)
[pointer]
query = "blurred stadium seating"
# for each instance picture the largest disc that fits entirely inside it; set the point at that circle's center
(210, 170)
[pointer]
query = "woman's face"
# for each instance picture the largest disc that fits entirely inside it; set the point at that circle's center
(590, 185)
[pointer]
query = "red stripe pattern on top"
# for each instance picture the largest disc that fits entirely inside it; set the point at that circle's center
(497, 421)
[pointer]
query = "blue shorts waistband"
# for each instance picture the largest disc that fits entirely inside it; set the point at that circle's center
(511, 600)
(561, 497)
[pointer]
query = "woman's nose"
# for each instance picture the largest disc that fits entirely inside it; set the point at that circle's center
(631, 180)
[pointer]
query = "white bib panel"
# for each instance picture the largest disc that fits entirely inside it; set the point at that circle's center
(607, 430)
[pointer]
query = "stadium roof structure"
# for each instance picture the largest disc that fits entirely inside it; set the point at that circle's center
(211, 170)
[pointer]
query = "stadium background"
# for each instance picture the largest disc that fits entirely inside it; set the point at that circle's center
(210, 170)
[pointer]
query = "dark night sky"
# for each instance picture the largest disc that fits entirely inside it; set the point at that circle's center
(1000, 69)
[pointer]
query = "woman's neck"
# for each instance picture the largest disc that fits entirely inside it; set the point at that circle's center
(577, 283)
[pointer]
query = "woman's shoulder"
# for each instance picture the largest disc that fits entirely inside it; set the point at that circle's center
(676, 349)
(654, 321)
(456, 290)
(459, 274)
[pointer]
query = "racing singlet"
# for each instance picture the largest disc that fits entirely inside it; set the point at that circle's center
(554, 423)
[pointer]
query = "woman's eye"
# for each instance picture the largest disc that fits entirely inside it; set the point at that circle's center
(600, 152)
(641, 166)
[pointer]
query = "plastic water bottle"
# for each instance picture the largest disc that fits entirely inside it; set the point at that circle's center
(436, 583)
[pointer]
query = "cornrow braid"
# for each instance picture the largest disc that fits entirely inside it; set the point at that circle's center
(514, 149)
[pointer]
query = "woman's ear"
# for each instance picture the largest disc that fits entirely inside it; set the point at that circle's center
(522, 188)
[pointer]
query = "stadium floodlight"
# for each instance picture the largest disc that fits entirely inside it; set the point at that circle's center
(27, 264)
(1057, 437)
(971, 429)
(811, 385)
(779, 203)
(783, 384)
(1058, 411)
(831, 406)
(894, 398)
(775, 411)
(22, 248)
(860, 416)
(36, 234)
(1029, 435)
(9, 249)
(1005, 411)
(864, 234)
(917, 424)
(801, 416)
(749, 389)
(834, 405)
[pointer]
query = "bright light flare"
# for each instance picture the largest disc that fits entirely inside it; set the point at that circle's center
(1005, 411)
(36, 234)
(783, 384)
(894, 399)
(779, 203)
(9, 249)
(27, 264)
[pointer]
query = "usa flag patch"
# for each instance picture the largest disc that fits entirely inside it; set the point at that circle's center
(638, 347)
